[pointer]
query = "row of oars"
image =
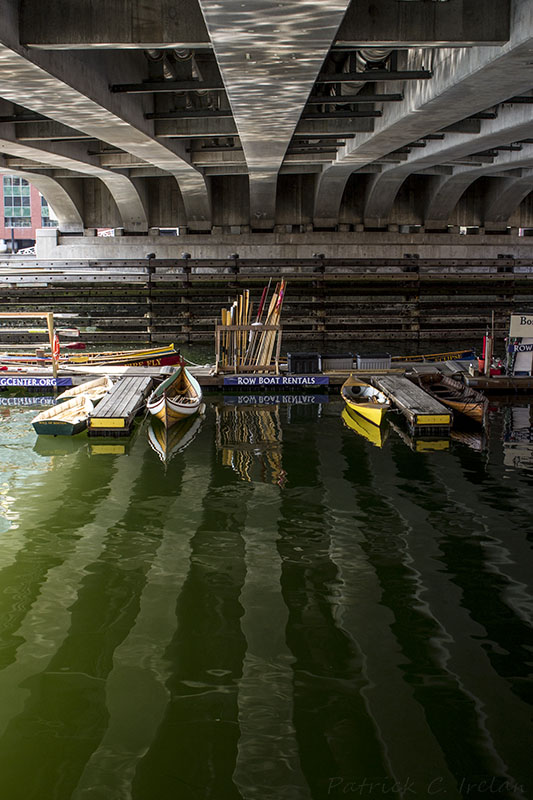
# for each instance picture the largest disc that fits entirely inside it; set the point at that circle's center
(255, 346)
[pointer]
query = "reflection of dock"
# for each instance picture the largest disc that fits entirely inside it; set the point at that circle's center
(248, 437)
(420, 443)
(421, 411)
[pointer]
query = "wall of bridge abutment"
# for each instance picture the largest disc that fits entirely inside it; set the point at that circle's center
(401, 293)
(391, 244)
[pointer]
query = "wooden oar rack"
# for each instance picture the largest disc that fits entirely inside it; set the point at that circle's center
(248, 348)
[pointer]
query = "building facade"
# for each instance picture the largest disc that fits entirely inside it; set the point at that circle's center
(23, 210)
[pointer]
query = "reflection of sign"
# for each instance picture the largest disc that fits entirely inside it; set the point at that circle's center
(274, 399)
(28, 401)
(520, 348)
(521, 325)
(276, 380)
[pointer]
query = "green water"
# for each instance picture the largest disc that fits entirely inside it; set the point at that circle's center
(282, 610)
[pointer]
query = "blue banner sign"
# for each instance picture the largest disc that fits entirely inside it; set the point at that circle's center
(10, 381)
(276, 380)
(520, 348)
(274, 399)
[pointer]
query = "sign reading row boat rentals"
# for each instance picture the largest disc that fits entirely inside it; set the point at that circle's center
(276, 380)
(521, 325)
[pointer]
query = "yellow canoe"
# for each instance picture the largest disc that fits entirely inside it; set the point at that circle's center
(365, 400)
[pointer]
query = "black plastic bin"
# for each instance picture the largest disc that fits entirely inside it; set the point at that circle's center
(329, 362)
(303, 363)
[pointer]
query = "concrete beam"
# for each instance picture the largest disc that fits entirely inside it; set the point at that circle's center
(133, 24)
(512, 124)
(465, 81)
(269, 56)
(73, 89)
(393, 24)
(70, 155)
(47, 130)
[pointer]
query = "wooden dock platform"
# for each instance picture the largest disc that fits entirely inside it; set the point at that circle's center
(114, 414)
(421, 411)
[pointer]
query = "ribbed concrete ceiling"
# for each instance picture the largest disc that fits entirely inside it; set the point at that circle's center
(269, 55)
(307, 87)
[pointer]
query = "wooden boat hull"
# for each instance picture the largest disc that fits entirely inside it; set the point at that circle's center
(151, 357)
(64, 419)
(365, 400)
(176, 399)
(452, 355)
(455, 395)
(95, 389)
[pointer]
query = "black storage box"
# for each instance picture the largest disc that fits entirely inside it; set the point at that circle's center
(333, 361)
(303, 363)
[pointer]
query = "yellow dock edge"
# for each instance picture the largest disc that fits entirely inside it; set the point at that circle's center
(103, 422)
(433, 419)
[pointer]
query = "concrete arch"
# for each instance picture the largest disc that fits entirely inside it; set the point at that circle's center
(129, 203)
(445, 193)
(68, 215)
(193, 189)
(328, 196)
(501, 203)
(381, 194)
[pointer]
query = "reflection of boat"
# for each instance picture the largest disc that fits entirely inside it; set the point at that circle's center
(49, 446)
(64, 419)
(374, 433)
(167, 442)
(94, 389)
(453, 394)
(472, 439)
(365, 400)
(178, 397)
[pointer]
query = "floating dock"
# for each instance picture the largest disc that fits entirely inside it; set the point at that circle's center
(421, 411)
(115, 413)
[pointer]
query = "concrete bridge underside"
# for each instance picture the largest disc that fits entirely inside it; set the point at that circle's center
(251, 117)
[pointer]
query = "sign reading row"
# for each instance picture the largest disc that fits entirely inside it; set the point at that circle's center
(520, 348)
(276, 380)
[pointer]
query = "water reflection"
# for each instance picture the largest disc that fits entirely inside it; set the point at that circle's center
(249, 440)
(375, 434)
(167, 442)
(285, 611)
(518, 437)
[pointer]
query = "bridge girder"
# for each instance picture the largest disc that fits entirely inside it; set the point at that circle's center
(216, 99)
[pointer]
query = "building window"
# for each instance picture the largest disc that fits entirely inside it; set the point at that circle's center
(17, 222)
(17, 212)
(46, 219)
